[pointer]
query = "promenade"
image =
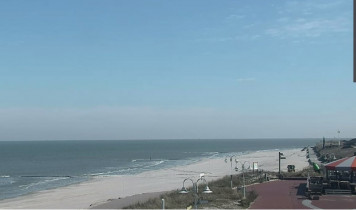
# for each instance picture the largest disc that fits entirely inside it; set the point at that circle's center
(289, 194)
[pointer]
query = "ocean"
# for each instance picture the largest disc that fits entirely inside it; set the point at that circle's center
(31, 166)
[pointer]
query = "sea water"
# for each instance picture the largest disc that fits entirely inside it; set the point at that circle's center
(31, 166)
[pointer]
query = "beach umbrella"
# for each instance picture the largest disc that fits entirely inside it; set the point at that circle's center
(344, 164)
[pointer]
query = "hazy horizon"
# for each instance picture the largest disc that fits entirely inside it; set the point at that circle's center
(89, 69)
(281, 138)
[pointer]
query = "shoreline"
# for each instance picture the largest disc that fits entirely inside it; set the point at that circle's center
(103, 190)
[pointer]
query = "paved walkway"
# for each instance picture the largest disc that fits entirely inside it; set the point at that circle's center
(336, 202)
(289, 194)
(312, 156)
(279, 195)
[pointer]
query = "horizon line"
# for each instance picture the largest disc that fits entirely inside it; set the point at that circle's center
(184, 139)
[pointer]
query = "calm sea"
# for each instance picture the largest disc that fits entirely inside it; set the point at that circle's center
(31, 166)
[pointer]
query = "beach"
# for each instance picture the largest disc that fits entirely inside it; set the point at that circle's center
(107, 189)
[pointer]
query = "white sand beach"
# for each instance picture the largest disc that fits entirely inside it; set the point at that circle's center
(103, 189)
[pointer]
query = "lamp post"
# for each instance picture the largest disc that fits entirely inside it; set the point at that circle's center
(195, 189)
(243, 175)
(230, 167)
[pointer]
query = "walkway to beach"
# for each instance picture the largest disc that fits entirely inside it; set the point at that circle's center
(312, 156)
(289, 194)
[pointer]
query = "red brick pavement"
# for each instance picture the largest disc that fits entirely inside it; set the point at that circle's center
(279, 195)
(336, 202)
(289, 194)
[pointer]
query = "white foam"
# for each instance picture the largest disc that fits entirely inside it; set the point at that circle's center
(101, 189)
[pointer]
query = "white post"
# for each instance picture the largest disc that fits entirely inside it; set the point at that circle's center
(231, 171)
(163, 204)
(243, 179)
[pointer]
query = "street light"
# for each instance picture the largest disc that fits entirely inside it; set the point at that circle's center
(243, 175)
(231, 167)
(195, 189)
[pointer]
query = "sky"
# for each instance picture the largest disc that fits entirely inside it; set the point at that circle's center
(180, 69)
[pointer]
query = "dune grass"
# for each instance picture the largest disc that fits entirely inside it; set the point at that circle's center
(225, 197)
(222, 197)
(337, 151)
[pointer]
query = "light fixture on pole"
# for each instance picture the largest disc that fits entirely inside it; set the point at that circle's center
(231, 167)
(243, 176)
(195, 189)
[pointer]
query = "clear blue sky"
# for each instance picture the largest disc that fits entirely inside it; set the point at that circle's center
(154, 69)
